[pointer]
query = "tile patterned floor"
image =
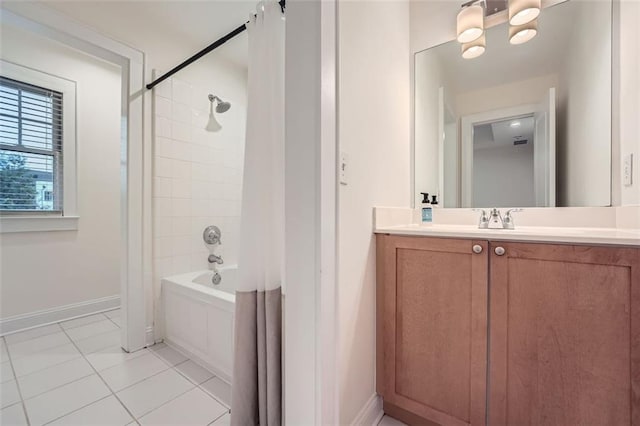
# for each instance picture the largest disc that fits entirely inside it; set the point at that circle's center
(390, 421)
(74, 373)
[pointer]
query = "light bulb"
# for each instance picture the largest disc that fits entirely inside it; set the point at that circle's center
(523, 33)
(475, 48)
(523, 11)
(470, 23)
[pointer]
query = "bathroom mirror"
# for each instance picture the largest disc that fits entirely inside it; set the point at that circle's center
(526, 125)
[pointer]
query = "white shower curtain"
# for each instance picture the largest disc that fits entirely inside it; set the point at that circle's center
(257, 383)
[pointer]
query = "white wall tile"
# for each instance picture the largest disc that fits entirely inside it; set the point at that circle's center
(180, 208)
(163, 147)
(180, 226)
(163, 266)
(162, 187)
(162, 107)
(197, 177)
(181, 264)
(181, 188)
(182, 150)
(163, 89)
(162, 207)
(199, 262)
(199, 118)
(162, 127)
(181, 169)
(181, 92)
(201, 172)
(162, 226)
(180, 132)
(181, 113)
(162, 167)
(181, 245)
(162, 247)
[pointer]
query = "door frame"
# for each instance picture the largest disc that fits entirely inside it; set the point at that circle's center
(466, 143)
(135, 187)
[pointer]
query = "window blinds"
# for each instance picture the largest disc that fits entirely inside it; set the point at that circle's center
(31, 161)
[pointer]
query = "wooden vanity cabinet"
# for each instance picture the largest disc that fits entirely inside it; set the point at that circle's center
(562, 324)
(432, 329)
(565, 335)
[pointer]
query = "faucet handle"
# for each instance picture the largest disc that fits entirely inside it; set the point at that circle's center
(507, 221)
(483, 223)
(212, 235)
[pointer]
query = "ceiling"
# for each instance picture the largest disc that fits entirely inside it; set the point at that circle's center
(192, 24)
(502, 62)
(503, 133)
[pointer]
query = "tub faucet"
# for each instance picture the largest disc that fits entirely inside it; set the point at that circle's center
(215, 259)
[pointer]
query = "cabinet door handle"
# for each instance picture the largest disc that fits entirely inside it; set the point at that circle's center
(500, 251)
(477, 249)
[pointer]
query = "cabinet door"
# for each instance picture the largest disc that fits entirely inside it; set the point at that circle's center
(432, 329)
(564, 335)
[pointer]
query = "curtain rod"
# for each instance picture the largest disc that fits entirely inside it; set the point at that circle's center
(204, 51)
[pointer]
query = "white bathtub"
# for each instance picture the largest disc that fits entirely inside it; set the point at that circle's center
(198, 317)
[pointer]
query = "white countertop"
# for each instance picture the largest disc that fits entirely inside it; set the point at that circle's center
(608, 236)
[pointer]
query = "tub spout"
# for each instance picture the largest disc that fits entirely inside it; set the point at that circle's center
(215, 259)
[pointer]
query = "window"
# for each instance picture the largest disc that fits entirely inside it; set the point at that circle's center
(37, 129)
(31, 151)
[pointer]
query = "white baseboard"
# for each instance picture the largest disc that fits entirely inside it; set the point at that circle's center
(62, 313)
(371, 413)
(149, 336)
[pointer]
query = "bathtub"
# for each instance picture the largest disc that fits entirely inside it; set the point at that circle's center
(198, 317)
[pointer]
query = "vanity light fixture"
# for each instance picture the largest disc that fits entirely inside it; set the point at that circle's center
(523, 33)
(475, 48)
(470, 22)
(523, 11)
(523, 23)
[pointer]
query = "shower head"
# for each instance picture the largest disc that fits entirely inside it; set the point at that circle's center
(221, 106)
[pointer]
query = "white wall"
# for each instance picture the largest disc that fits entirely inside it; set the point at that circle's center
(197, 174)
(492, 165)
(374, 113)
(531, 91)
(584, 137)
(52, 269)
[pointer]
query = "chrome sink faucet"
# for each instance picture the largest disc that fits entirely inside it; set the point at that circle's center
(495, 220)
(507, 220)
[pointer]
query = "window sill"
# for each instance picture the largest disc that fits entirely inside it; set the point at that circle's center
(9, 224)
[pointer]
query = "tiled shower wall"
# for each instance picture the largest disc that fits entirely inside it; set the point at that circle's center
(197, 176)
